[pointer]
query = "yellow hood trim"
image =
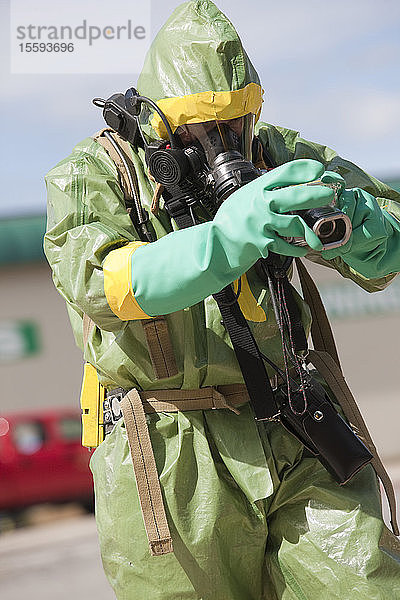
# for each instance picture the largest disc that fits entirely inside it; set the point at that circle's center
(207, 106)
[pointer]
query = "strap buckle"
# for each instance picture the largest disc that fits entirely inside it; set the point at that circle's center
(274, 419)
(112, 412)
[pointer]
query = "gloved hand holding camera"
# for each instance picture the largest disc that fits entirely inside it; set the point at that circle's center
(373, 249)
(251, 223)
(269, 214)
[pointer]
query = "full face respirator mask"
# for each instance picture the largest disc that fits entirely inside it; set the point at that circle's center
(202, 164)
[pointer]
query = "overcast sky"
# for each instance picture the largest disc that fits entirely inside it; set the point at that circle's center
(330, 70)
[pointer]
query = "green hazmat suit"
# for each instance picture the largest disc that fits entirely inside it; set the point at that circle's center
(252, 514)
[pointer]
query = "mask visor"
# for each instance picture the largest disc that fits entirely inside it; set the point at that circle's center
(215, 137)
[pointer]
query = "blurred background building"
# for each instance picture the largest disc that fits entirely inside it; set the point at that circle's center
(39, 362)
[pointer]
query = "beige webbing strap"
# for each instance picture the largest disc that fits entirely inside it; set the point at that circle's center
(87, 328)
(160, 347)
(226, 396)
(144, 466)
(134, 407)
(157, 334)
(125, 149)
(332, 374)
(321, 331)
(155, 202)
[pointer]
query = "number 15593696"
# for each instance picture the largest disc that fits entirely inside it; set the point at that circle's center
(46, 47)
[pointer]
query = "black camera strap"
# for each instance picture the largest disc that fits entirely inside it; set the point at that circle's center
(244, 345)
(248, 355)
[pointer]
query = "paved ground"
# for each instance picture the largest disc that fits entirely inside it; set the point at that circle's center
(57, 561)
(60, 560)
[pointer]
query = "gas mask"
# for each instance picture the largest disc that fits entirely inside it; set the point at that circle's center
(202, 164)
(209, 161)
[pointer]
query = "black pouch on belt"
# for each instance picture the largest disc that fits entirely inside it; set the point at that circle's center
(317, 424)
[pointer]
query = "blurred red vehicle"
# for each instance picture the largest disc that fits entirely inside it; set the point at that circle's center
(42, 460)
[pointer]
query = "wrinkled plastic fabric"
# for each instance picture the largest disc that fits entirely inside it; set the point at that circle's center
(209, 55)
(232, 517)
(252, 517)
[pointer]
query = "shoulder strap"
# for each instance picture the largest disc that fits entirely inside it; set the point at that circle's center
(120, 152)
(156, 330)
(122, 166)
(160, 347)
(248, 355)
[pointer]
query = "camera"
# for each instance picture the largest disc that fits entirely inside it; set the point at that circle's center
(230, 171)
(189, 178)
(332, 226)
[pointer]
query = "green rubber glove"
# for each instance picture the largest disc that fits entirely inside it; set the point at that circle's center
(373, 249)
(186, 266)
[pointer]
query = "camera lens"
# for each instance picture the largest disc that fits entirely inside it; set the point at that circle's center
(326, 229)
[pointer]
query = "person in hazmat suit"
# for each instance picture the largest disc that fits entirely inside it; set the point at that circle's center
(251, 513)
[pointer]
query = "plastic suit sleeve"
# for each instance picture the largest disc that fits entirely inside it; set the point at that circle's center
(374, 246)
(86, 220)
(186, 266)
(283, 145)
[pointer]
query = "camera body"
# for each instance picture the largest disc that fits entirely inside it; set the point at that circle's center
(229, 172)
(331, 226)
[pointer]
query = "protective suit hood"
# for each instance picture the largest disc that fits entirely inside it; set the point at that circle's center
(197, 69)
